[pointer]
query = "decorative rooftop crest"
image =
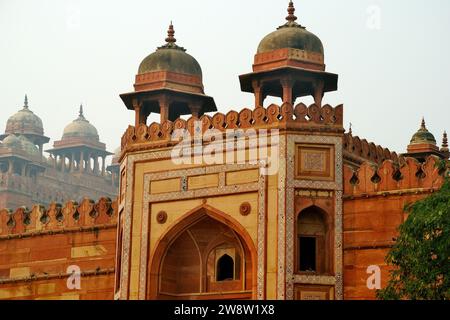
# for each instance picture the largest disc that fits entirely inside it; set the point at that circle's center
(422, 125)
(25, 103)
(291, 18)
(444, 142)
(80, 114)
(170, 40)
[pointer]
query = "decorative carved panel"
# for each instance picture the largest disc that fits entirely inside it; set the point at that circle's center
(314, 162)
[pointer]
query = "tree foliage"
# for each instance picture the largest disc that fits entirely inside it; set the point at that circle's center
(421, 254)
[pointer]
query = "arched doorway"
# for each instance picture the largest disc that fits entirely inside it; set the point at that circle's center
(206, 255)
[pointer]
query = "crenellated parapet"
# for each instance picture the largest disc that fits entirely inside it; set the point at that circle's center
(407, 175)
(287, 117)
(58, 218)
(358, 150)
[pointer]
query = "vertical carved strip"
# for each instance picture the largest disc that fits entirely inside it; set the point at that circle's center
(262, 218)
(281, 249)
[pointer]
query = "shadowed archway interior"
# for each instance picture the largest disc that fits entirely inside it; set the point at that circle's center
(206, 259)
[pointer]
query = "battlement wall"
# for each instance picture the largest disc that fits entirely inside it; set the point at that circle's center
(374, 200)
(359, 150)
(40, 247)
(57, 217)
(406, 174)
(300, 117)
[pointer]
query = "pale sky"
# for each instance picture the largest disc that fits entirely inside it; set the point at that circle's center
(392, 57)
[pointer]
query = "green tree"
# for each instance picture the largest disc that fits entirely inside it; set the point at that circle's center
(421, 254)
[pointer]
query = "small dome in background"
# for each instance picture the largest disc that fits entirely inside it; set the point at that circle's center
(12, 141)
(21, 143)
(24, 122)
(423, 136)
(29, 147)
(80, 128)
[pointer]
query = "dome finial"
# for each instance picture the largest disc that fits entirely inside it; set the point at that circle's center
(170, 40)
(25, 103)
(444, 142)
(80, 114)
(291, 10)
(171, 34)
(423, 126)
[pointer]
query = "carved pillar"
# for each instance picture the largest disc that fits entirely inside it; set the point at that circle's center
(41, 149)
(318, 93)
(81, 163)
(103, 166)
(54, 161)
(95, 157)
(72, 162)
(258, 91)
(287, 90)
(195, 109)
(63, 163)
(10, 166)
(138, 113)
(89, 165)
(24, 170)
(164, 108)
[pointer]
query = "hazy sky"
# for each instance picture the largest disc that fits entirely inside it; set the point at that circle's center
(392, 57)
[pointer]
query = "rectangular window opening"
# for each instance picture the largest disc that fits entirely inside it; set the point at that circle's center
(307, 247)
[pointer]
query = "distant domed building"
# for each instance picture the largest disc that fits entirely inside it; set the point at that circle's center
(71, 172)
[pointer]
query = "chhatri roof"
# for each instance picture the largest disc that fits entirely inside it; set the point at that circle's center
(423, 136)
(20, 145)
(24, 122)
(80, 128)
(171, 57)
(291, 35)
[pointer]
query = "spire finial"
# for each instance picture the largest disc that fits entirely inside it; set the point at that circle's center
(80, 114)
(291, 10)
(171, 34)
(444, 142)
(423, 126)
(25, 103)
(350, 132)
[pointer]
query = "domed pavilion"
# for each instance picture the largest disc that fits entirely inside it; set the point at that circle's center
(80, 149)
(289, 63)
(169, 82)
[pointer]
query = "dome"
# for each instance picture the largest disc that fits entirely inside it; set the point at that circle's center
(21, 143)
(291, 35)
(172, 58)
(28, 146)
(12, 141)
(295, 37)
(24, 121)
(80, 128)
(423, 136)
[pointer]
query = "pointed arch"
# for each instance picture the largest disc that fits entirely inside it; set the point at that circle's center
(181, 225)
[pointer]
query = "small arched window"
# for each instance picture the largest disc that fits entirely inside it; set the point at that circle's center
(311, 237)
(225, 268)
